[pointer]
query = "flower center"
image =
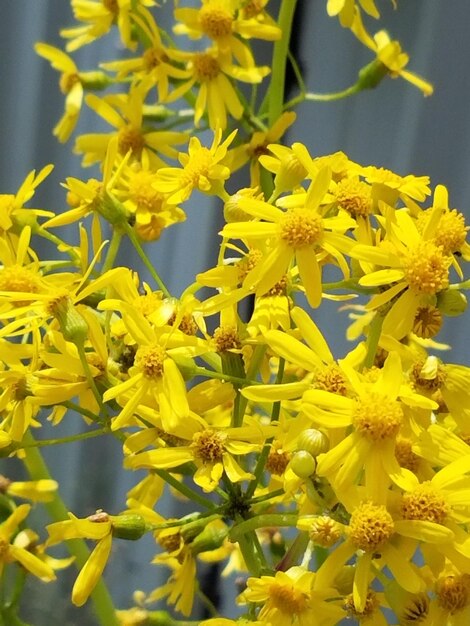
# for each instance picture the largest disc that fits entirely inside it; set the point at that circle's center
(427, 268)
(425, 504)
(130, 138)
(428, 375)
(277, 460)
(354, 196)
(3, 548)
(301, 228)
(198, 166)
(377, 417)
(287, 599)
(452, 232)
(58, 304)
(331, 379)
(324, 531)
(150, 360)
(415, 611)
(371, 605)
(209, 445)
(248, 262)
(143, 193)
(206, 68)
(427, 322)
(170, 542)
(453, 593)
(226, 338)
(215, 21)
(370, 527)
(152, 58)
(252, 8)
(111, 5)
(405, 455)
(4, 483)
(17, 278)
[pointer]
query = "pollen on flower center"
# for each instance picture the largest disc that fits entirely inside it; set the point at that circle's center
(370, 526)
(301, 228)
(287, 599)
(377, 417)
(252, 8)
(111, 5)
(405, 455)
(453, 592)
(226, 338)
(426, 504)
(130, 138)
(324, 531)
(152, 58)
(150, 360)
(58, 303)
(278, 459)
(142, 192)
(209, 445)
(148, 303)
(427, 269)
(215, 22)
(354, 196)
(206, 68)
(433, 382)
(331, 379)
(197, 166)
(371, 605)
(452, 232)
(17, 278)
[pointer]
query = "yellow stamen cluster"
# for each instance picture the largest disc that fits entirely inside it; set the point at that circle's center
(370, 526)
(130, 138)
(430, 384)
(209, 445)
(17, 278)
(370, 607)
(67, 81)
(252, 8)
(150, 360)
(376, 417)
(278, 459)
(453, 593)
(170, 542)
(452, 232)
(148, 303)
(427, 269)
(425, 503)
(248, 262)
(197, 166)
(111, 5)
(354, 196)
(301, 228)
(226, 338)
(206, 68)
(287, 599)
(331, 379)
(142, 191)
(215, 21)
(405, 455)
(325, 531)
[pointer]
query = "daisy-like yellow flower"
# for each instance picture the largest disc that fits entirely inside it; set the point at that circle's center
(35, 490)
(390, 58)
(11, 552)
(292, 597)
(202, 169)
(412, 271)
(125, 113)
(153, 65)
(377, 413)
(300, 233)
(211, 73)
(99, 16)
(212, 449)
(222, 21)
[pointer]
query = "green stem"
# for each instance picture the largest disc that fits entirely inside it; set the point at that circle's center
(202, 371)
(184, 489)
(263, 521)
(280, 54)
(42, 232)
(375, 329)
(140, 251)
(37, 469)
(42, 443)
(323, 97)
(113, 249)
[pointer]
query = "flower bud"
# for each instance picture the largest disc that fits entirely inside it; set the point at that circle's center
(372, 74)
(302, 464)
(94, 81)
(211, 538)
(313, 441)
(73, 326)
(129, 526)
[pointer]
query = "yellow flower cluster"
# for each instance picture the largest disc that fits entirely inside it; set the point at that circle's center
(230, 395)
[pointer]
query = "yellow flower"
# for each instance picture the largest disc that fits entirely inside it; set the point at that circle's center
(99, 17)
(212, 449)
(35, 490)
(217, 96)
(292, 597)
(202, 169)
(11, 552)
(300, 233)
(125, 113)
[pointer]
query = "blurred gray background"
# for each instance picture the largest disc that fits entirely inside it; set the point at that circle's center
(393, 126)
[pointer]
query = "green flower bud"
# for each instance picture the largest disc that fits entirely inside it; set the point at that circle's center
(372, 74)
(313, 441)
(302, 464)
(451, 302)
(73, 326)
(129, 526)
(211, 538)
(94, 81)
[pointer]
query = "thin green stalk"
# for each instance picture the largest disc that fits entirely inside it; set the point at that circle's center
(375, 329)
(113, 249)
(323, 97)
(276, 90)
(145, 260)
(42, 443)
(263, 521)
(184, 489)
(37, 469)
(202, 371)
